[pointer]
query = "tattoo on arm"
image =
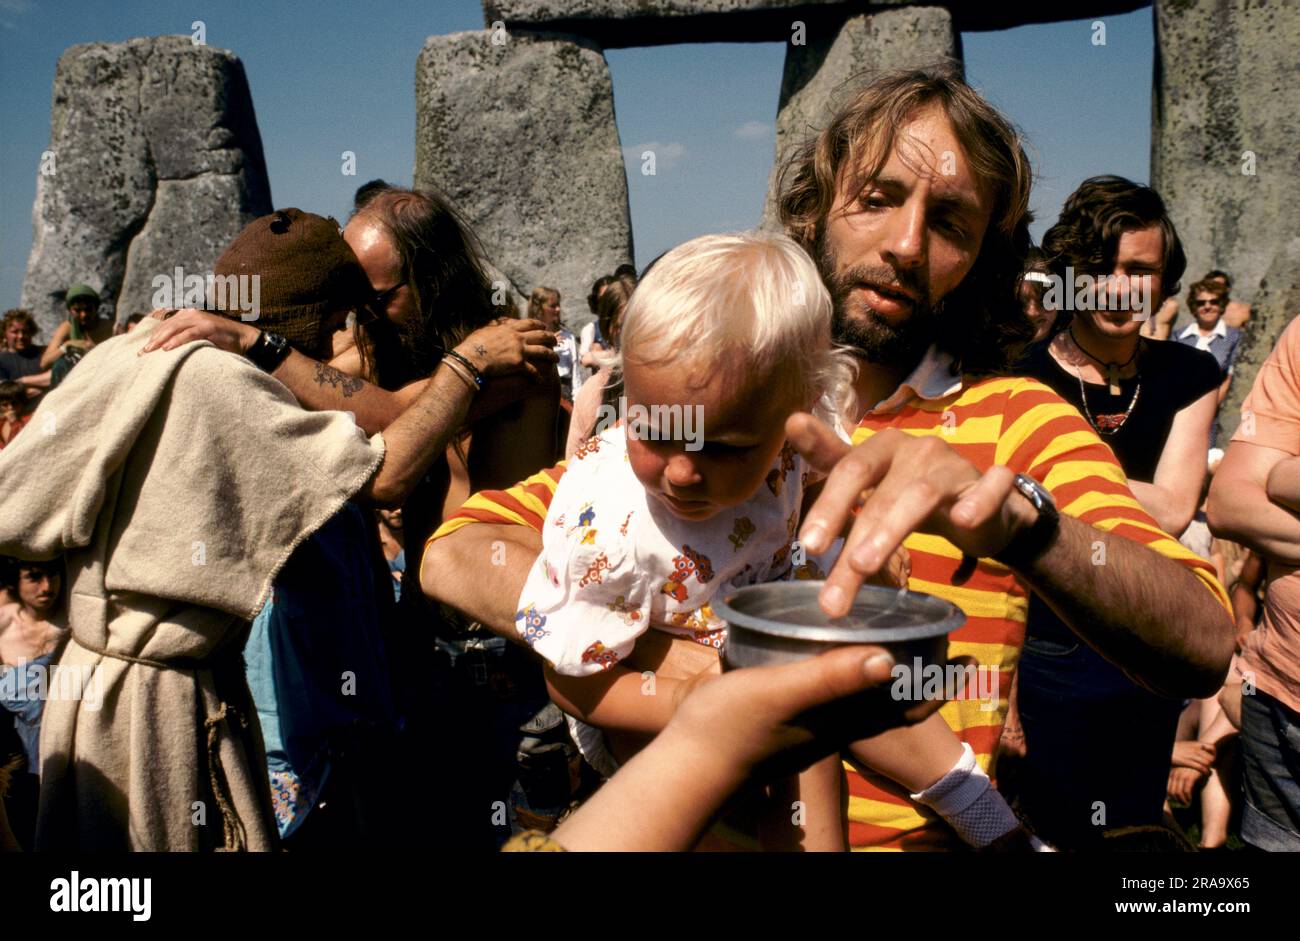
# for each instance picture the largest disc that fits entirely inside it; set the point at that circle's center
(328, 375)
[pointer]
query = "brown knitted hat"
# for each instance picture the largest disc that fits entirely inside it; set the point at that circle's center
(306, 271)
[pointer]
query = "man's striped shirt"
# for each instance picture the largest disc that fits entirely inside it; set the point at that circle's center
(1013, 421)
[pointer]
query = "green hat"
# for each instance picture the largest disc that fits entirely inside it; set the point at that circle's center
(79, 291)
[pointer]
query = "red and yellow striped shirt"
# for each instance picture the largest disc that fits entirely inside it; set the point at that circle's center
(1013, 421)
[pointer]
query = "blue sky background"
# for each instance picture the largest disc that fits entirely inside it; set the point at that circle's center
(332, 76)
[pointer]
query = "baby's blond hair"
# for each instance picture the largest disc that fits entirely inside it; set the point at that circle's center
(749, 304)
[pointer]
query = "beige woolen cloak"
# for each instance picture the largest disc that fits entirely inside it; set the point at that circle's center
(176, 484)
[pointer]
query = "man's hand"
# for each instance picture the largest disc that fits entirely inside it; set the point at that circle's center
(188, 325)
(1197, 756)
(902, 484)
(1182, 785)
(1012, 743)
(508, 346)
(665, 796)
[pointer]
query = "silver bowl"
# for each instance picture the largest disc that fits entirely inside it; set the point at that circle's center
(781, 622)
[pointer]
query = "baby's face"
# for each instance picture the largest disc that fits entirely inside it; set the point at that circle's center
(700, 444)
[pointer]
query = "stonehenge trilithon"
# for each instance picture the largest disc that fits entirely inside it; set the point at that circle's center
(518, 130)
(158, 162)
(155, 162)
(615, 23)
(818, 72)
(1224, 155)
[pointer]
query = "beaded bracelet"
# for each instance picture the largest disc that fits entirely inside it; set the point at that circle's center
(465, 377)
(464, 361)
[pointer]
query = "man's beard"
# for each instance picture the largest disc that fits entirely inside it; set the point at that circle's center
(857, 326)
(401, 349)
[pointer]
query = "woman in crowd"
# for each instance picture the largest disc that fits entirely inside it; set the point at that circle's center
(598, 390)
(1153, 403)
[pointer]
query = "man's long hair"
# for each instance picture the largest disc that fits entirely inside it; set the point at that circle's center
(980, 321)
(441, 264)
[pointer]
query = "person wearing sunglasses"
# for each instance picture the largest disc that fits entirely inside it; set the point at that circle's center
(1208, 299)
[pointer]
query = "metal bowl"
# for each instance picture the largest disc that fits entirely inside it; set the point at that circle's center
(781, 622)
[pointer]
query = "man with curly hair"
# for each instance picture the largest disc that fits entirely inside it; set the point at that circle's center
(914, 202)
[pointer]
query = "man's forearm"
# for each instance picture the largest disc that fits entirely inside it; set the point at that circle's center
(480, 570)
(1283, 484)
(1145, 613)
(320, 387)
(417, 438)
(1243, 513)
(1160, 503)
(676, 789)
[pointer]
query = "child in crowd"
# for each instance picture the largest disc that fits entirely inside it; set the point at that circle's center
(13, 410)
(696, 491)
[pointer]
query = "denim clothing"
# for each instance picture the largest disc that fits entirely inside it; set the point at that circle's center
(317, 666)
(1097, 746)
(1270, 749)
(398, 564)
(20, 696)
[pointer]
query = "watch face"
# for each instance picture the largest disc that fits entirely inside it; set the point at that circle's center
(1034, 492)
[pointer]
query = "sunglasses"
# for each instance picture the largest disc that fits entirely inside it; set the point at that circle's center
(375, 307)
(1209, 303)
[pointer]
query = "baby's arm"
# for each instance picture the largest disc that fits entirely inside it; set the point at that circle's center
(640, 694)
(941, 773)
(617, 699)
(915, 756)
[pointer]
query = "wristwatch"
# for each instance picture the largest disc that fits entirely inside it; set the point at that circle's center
(268, 351)
(1031, 542)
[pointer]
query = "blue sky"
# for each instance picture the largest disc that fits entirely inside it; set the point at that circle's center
(332, 76)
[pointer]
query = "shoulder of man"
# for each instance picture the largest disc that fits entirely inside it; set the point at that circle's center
(1183, 361)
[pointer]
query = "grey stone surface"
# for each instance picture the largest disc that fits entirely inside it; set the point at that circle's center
(820, 75)
(1276, 303)
(1226, 80)
(615, 23)
(158, 163)
(521, 137)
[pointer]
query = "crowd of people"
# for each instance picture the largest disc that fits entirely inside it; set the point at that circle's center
(256, 571)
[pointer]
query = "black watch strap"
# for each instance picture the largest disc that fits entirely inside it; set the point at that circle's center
(1030, 543)
(268, 351)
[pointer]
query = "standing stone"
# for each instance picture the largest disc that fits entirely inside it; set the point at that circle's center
(1276, 303)
(520, 134)
(157, 164)
(829, 68)
(618, 23)
(1224, 154)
